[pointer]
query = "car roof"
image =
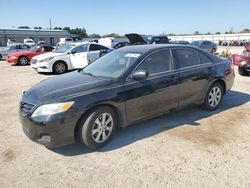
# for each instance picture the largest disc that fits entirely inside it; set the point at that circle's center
(151, 47)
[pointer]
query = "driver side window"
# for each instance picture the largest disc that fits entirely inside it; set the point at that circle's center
(158, 62)
(81, 48)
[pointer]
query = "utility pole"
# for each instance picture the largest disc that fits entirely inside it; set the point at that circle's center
(50, 25)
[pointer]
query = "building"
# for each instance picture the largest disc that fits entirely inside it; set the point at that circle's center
(214, 38)
(51, 37)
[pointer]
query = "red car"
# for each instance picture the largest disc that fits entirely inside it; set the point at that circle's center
(23, 58)
(243, 61)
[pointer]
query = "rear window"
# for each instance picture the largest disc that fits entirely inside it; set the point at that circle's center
(187, 57)
(204, 59)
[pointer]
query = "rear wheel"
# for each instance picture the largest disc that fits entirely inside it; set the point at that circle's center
(97, 127)
(60, 67)
(213, 97)
(23, 61)
(242, 71)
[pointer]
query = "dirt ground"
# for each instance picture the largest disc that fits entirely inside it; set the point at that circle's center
(186, 148)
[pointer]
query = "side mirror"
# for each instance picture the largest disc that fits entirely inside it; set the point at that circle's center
(140, 75)
(72, 52)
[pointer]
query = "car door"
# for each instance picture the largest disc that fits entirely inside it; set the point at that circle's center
(78, 56)
(194, 74)
(94, 52)
(156, 94)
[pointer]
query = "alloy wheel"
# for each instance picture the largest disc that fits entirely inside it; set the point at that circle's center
(60, 68)
(23, 61)
(214, 96)
(102, 127)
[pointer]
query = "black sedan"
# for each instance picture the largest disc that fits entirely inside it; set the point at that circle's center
(125, 86)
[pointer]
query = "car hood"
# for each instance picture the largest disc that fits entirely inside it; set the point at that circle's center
(48, 55)
(63, 87)
(135, 38)
(17, 54)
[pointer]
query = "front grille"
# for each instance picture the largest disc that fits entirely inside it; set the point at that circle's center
(26, 108)
(33, 61)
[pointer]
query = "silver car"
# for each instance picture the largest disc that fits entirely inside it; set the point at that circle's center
(13, 48)
(206, 45)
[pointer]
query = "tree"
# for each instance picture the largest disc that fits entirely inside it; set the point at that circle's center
(37, 27)
(196, 33)
(94, 35)
(217, 33)
(66, 29)
(57, 28)
(81, 32)
(245, 31)
(114, 35)
(24, 27)
(226, 32)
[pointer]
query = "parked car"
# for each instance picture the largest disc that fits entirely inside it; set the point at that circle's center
(13, 48)
(243, 61)
(29, 42)
(23, 58)
(120, 44)
(206, 45)
(71, 56)
(157, 40)
(123, 87)
(180, 42)
(41, 43)
(11, 41)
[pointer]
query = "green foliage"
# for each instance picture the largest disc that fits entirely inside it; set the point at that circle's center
(24, 27)
(94, 35)
(245, 31)
(112, 35)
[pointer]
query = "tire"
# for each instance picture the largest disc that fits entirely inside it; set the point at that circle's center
(213, 97)
(91, 129)
(23, 61)
(242, 71)
(1, 57)
(60, 67)
(213, 51)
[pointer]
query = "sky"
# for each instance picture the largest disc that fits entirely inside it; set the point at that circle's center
(127, 16)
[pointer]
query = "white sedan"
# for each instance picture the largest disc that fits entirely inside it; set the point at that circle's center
(71, 56)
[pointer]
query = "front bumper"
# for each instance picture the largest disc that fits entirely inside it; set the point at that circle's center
(41, 67)
(50, 133)
(12, 61)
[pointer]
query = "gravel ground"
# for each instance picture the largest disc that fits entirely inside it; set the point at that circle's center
(186, 148)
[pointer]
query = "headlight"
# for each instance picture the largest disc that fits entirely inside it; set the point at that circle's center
(242, 63)
(47, 59)
(50, 109)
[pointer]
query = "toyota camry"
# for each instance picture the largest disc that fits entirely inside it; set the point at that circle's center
(127, 85)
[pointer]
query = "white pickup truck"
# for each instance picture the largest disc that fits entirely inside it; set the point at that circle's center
(71, 56)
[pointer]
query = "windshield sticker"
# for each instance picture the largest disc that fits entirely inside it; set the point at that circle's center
(132, 55)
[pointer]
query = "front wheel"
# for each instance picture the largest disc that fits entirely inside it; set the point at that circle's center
(242, 71)
(23, 61)
(213, 97)
(97, 127)
(60, 67)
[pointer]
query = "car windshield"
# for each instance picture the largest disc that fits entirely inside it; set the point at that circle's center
(64, 48)
(33, 49)
(112, 65)
(29, 41)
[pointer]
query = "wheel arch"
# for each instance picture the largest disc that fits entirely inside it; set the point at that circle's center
(113, 107)
(62, 61)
